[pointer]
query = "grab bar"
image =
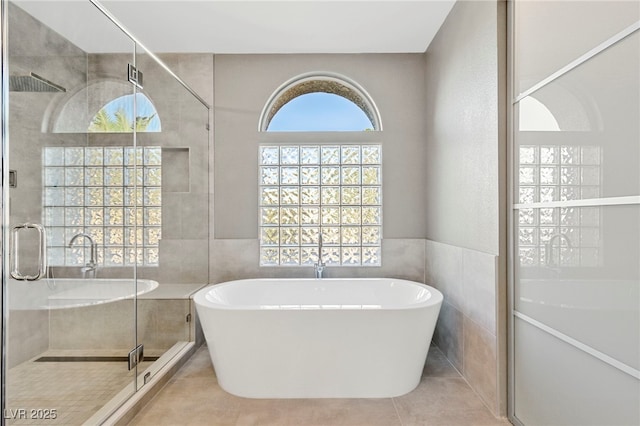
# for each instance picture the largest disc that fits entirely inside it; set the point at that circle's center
(42, 255)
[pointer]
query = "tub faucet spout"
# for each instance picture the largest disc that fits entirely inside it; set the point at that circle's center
(319, 269)
(91, 265)
(549, 249)
(319, 265)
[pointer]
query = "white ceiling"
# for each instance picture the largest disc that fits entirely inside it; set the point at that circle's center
(240, 26)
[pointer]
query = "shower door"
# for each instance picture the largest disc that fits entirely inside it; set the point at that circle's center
(69, 247)
(575, 316)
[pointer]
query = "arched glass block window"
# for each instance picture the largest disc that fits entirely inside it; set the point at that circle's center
(117, 116)
(311, 97)
(322, 199)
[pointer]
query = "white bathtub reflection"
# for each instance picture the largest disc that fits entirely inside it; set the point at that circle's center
(602, 314)
(62, 293)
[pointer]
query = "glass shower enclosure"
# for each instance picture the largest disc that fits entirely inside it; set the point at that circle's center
(575, 307)
(104, 154)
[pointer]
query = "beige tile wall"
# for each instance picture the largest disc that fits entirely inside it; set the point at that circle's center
(466, 220)
(233, 259)
(466, 328)
(28, 335)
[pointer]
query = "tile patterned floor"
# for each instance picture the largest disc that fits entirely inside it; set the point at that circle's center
(193, 397)
(75, 390)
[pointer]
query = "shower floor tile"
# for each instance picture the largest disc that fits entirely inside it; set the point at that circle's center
(193, 397)
(62, 393)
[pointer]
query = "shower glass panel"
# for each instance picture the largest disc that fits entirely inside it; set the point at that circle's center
(173, 221)
(71, 149)
(575, 342)
(108, 226)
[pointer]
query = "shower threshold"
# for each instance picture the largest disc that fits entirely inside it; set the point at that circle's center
(90, 358)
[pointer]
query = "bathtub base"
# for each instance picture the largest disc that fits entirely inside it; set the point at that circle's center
(354, 338)
(319, 355)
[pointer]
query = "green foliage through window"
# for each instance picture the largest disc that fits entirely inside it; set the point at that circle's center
(117, 116)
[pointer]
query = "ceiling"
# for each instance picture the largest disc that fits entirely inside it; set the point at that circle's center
(240, 26)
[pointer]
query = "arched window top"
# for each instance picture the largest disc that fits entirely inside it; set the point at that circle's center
(535, 116)
(117, 116)
(320, 83)
(319, 112)
(77, 110)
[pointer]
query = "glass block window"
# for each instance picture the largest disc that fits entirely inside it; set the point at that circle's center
(558, 236)
(99, 191)
(332, 190)
(558, 173)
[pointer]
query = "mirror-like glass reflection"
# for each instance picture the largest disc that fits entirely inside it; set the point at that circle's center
(576, 223)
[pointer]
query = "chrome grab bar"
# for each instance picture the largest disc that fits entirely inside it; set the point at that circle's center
(42, 255)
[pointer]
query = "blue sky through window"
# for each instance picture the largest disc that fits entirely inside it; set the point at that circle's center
(317, 112)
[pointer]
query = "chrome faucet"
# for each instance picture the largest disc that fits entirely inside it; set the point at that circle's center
(548, 248)
(319, 265)
(92, 264)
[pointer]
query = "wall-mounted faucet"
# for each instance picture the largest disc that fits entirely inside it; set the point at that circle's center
(548, 248)
(319, 265)
(92, 264)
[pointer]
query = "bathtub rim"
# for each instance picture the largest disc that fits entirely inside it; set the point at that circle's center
(436, 297)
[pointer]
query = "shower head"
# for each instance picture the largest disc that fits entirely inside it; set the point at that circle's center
(32, 83)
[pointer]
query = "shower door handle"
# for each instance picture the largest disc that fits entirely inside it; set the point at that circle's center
(42, 252)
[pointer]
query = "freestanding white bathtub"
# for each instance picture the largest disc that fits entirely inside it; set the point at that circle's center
(318, 338)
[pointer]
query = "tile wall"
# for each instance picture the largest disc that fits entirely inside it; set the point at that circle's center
(466, 331)
(233, 259)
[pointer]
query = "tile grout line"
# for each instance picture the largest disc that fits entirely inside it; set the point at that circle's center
(463, 377)
(486, 405)
(470, 387)
(395, 407)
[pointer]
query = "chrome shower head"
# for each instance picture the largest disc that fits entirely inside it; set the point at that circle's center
(32, 83)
